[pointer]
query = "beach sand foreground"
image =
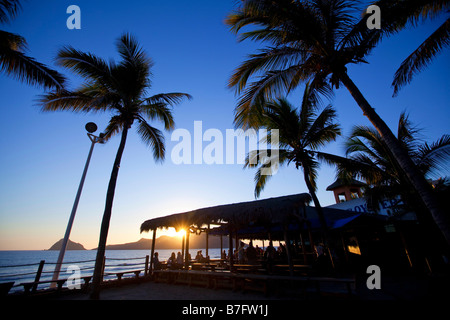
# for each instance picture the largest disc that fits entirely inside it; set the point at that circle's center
(164, 291)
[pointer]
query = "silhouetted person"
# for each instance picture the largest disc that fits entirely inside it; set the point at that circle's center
(171, 262)
(156, 263)
(179, 260)
(251, 253)
(269, 257)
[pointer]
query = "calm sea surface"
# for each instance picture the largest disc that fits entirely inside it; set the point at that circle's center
(21, 266)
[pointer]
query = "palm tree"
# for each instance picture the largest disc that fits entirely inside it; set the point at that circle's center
(122, 89)
(313, 41)
(13, 60)
(300, 133)
(397, 15)
(370, 159)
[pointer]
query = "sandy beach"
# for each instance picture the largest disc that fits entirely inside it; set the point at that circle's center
(393, 289)
(164, 291)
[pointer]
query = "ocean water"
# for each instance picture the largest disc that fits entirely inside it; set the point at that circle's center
(21, 266)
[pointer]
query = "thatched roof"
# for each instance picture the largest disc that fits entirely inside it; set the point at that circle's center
(307, 217)
(239, 214)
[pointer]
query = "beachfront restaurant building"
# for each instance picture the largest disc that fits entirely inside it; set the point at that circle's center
(403, 243)
(354, 238)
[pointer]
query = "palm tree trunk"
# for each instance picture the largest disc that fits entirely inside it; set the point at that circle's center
(317, 205)
(323, 222)
(98, 270)
(416, 179)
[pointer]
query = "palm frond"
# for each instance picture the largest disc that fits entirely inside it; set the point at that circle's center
(267, 166)
(12, 41)
(262, 12)
(86, 65)
(400, 14)
(88, 99)
(260, 180)
(133, 71)
(408, 134)
(272, 58)
(336, 17)
(115, 125)
(435, 156)
(420, 58)
(172, 98)
(24, 68)
(367, 140)
(131, 52)
(307, 111)
(153, 138)
(323, 129)
(280, 114)
(273, 83)
(161, 112)
(9, 10)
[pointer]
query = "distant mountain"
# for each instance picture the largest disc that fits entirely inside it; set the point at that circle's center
(142, 244)
(166, 242)
(70, 246)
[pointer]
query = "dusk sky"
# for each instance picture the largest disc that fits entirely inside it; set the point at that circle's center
(43, 154)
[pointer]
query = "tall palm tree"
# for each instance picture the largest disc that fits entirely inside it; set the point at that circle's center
(300, 133)
(398, 15)
(370, 159)
(13, 60)
(313, 40)
(120, 88)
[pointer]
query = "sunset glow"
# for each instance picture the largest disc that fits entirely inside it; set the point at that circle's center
(171, 232)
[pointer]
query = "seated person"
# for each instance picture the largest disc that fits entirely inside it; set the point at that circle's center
(172, 261)
(156, 263)
(179, 260)
(199, 257)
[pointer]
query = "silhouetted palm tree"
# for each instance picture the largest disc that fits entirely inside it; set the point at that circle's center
(300, 134)
(313, 41)
(122, 89)
(370, 159)
(13, 60)
(398, 15)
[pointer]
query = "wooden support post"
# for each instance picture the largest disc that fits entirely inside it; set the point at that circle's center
(103, 268)
(186, 259)
(311, 239)
(146, 265)
(230, 245)
(182, 244)
(207, 242)
(152, 252)
(38, 274)
(288, 251)
(305, 257)
(344, 246)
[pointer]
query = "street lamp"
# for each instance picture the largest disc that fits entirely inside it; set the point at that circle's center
(90, 128)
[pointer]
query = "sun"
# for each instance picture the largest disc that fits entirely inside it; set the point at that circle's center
(171, 232)
(181, 233)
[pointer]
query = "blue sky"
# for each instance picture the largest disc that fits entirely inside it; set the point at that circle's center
(43, 154)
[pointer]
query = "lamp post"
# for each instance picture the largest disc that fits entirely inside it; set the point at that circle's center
(90, 128)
